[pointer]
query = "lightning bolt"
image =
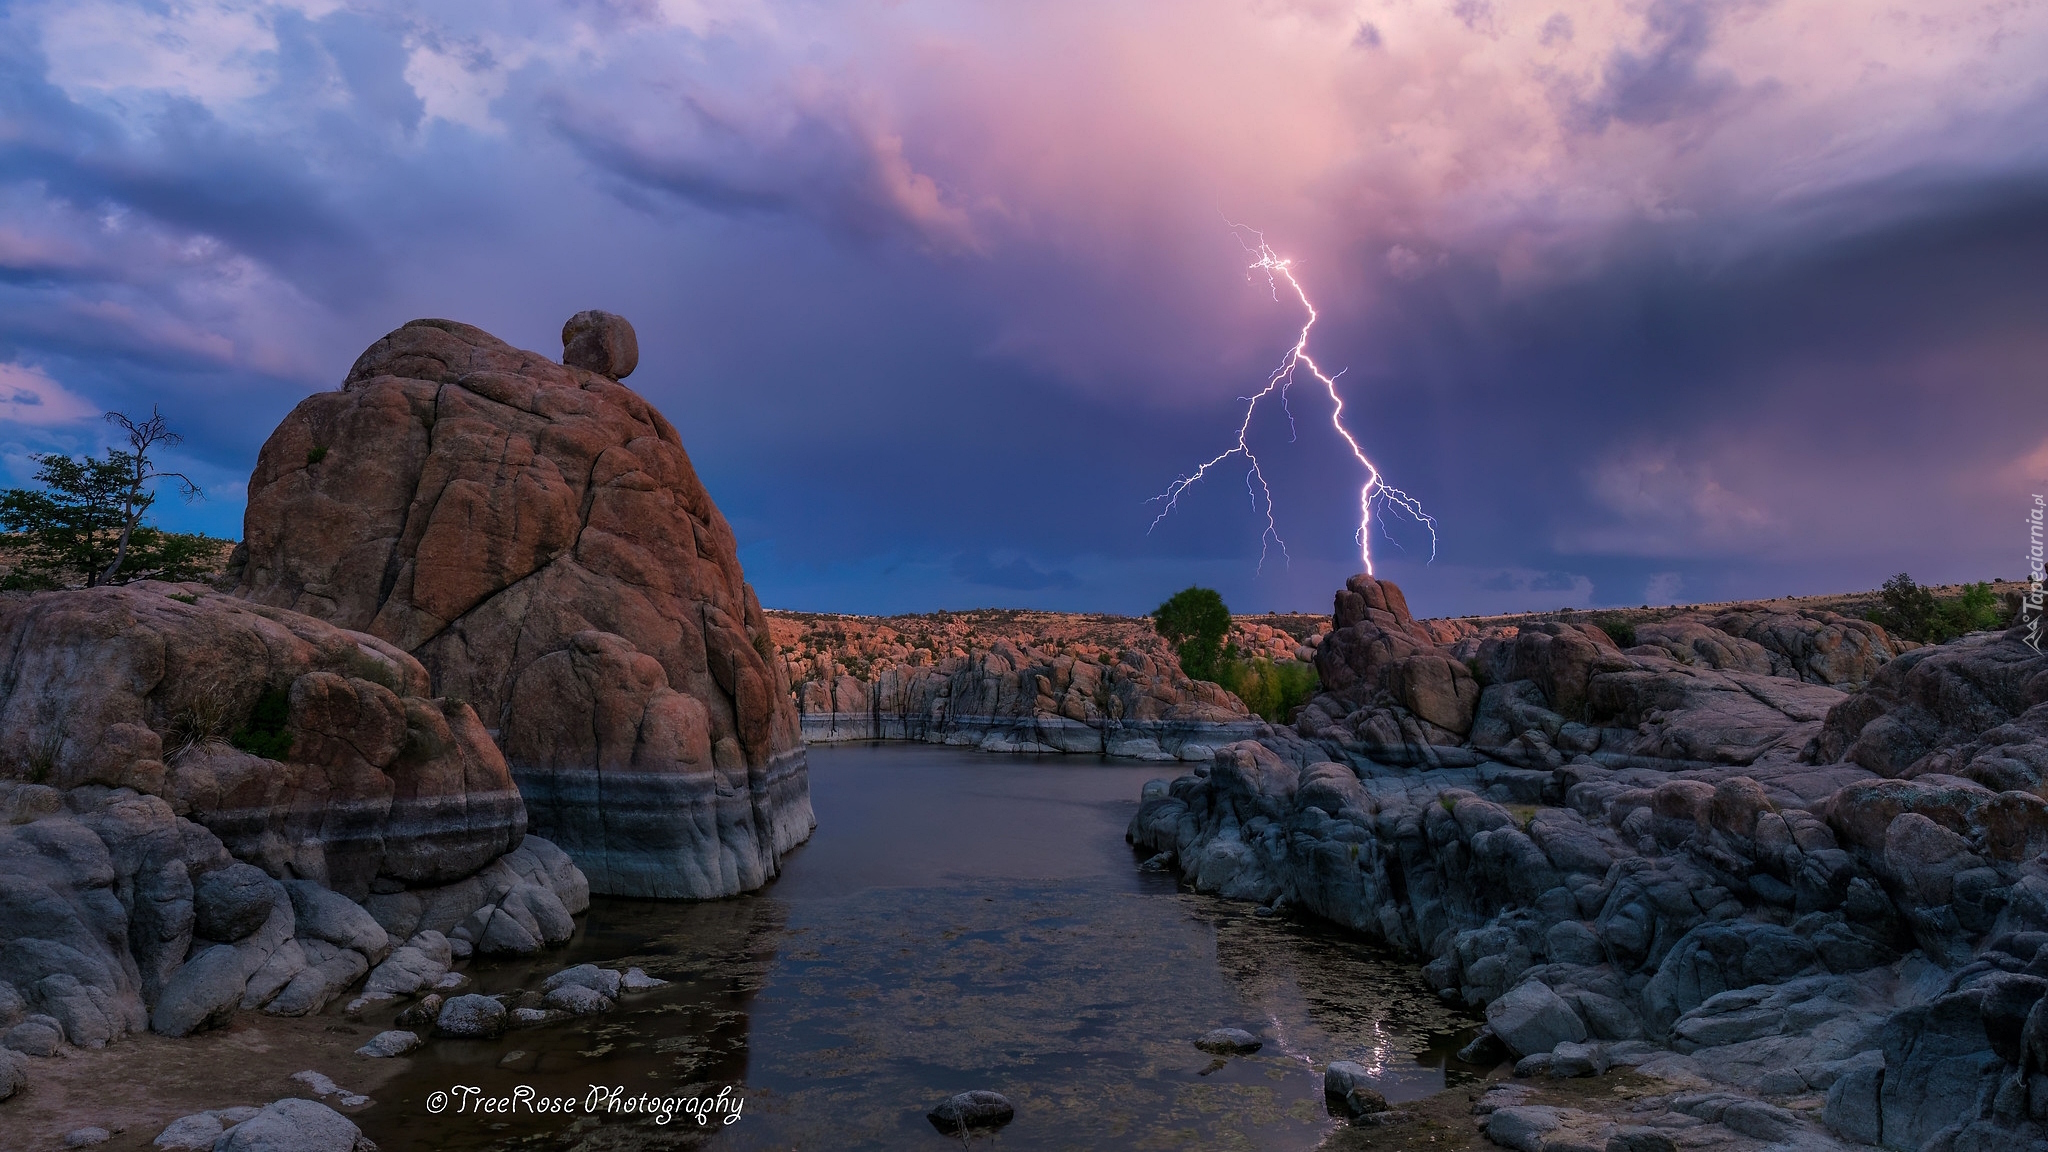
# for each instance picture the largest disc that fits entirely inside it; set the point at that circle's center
(1375, 491)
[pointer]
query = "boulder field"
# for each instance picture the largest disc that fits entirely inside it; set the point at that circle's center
(534, 535)
(1773, 857)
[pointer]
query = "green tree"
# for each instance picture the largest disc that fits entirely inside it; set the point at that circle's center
(85, 522)
(1911, 611)
(1195, 621)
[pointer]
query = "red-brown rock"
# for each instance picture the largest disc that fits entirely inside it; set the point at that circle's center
(535, 534)
(371, 779)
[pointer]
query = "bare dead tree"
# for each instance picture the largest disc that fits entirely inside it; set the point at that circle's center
(140, 475)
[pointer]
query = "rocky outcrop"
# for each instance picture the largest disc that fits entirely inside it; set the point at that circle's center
(1020, 699)
(1542, 693)
(1634, 857)
(209, 806)
(534, 534)
(1012, 682)
(361, 776)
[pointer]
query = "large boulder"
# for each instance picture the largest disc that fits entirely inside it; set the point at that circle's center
(535, 535)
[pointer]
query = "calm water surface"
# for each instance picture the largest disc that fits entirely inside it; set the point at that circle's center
(959, 920)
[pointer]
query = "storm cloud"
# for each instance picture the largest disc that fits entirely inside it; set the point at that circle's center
(1650, 301)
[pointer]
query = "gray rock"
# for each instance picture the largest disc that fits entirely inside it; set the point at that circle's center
(231, 902)
(1637, 1139)
(235, 1114)
(277, 972)
(1569, 1060)
(600, 980)
(1228, 1042)
(35, 1036)
(577, 1000)
(1570, 942)
(1523, 1126)
(87, 1137)
(1938, 1065)
(390, 1043)
(501, 932)
(323, 914)
(319, 983)
(202, 994)
(411, 967)
(636, 980)
(978, 1109)
(13, 1073)
(13, 1007)
(472, 1016)
(1349, 1093)
(1532, 1019)
(1761, 1121)
(195, 1133)
(451, 982)
(292, 1125)
(1853, 1107)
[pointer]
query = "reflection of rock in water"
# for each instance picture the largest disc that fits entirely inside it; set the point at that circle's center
(1330, 997)
(689, 1038)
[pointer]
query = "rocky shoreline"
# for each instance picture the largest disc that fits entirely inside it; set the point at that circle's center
(1776, 863)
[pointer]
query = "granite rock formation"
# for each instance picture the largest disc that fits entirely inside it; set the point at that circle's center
(209, 806)
(1823, 913)
(533, 533)
(1015, 681)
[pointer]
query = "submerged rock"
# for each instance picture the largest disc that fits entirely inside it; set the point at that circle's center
(972, 1110)
(1348, 1091)
(1228, 1042)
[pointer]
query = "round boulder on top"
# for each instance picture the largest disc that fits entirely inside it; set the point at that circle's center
(602, 343)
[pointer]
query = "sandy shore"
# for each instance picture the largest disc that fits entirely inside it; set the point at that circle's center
(140, 1083)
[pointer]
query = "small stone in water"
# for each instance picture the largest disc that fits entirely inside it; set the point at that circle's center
(86, 1137)
(1229, 1042)
(637, 981)
(977, 1109)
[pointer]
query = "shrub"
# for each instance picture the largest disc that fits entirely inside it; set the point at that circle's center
(267, 733)
(1272, 690)
(1618, 629)
(316, 453)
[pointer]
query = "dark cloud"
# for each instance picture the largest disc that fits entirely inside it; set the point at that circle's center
(936, 332)
(1663, 79)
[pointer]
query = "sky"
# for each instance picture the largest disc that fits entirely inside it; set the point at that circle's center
(1642, 302)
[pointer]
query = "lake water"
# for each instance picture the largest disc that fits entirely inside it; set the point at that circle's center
(959, 920)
